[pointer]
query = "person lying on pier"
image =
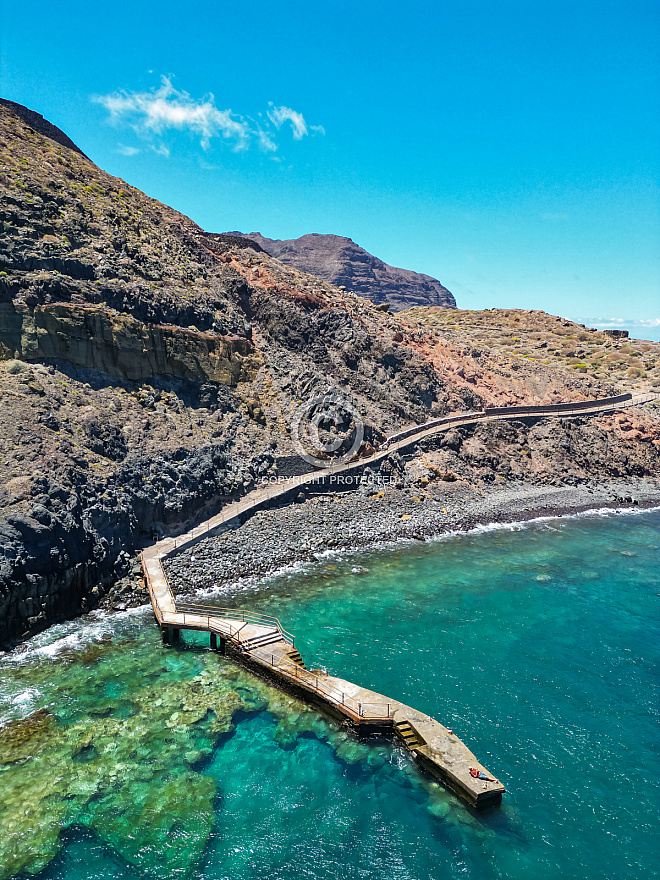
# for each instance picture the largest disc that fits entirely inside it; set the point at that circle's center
(479, 774)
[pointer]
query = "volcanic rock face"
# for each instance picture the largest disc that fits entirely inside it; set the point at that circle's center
(121, 346)
(38, 123)
(342, 262)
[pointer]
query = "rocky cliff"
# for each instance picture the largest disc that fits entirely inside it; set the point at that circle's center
(121, 346)
(342, 262)
(149, 369)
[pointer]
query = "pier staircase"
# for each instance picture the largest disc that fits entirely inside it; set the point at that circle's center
(408, 735)
(247, 630)
(261, 640)
(295, 657)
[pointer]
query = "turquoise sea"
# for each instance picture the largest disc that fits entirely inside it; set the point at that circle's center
(123, 758)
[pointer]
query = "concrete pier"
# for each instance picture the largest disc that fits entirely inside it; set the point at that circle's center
(430, 743)
(260, 642)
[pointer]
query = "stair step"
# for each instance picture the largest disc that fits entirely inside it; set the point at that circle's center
(296, 658)
(260, 641)
(408, 735)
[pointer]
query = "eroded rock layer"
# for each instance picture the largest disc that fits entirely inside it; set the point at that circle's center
(121, 346)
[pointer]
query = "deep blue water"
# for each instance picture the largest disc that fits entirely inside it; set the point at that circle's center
(538, 645)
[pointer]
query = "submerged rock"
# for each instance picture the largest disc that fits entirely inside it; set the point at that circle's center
(127, 778)
(28, 732)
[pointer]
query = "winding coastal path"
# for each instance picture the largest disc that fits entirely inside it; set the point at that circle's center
(261, 643)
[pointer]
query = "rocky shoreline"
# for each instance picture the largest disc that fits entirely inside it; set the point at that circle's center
(223, 567)
(273, 539)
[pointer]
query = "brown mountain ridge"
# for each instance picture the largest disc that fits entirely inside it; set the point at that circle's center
(341, 261)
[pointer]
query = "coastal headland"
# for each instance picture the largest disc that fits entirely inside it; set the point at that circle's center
(150, 372)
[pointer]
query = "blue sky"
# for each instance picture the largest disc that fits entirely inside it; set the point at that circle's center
(511, 149)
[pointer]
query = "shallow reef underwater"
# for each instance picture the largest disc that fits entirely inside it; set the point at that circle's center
(124, 743)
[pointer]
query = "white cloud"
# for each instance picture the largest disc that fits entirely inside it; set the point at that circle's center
(128, 151)
(629, 322)
(639, 328)
(152, 113)
(278, 115)
(266, 142)
(166, 107)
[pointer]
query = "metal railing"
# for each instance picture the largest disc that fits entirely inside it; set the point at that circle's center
(505, 412)
(255, 618)
(217, 619)
(208, 623)
(320, 684)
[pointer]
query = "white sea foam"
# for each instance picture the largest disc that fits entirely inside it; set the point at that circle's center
(550, 522)
(252, 583)
(72, 635)
(517, 525)
(26, 696)
(18, 705)
(547, 521)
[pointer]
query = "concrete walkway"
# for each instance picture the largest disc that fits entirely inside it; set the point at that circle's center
(262, 496)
